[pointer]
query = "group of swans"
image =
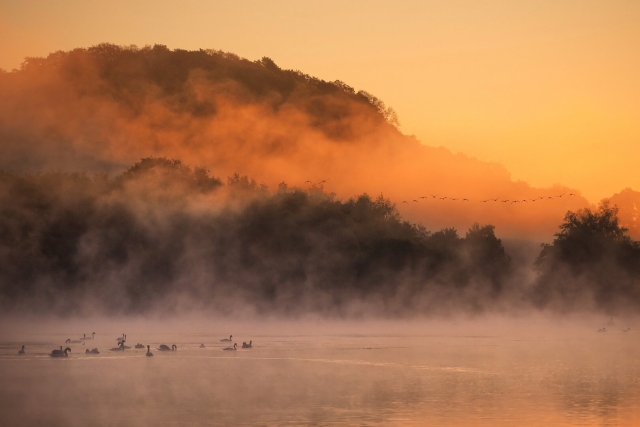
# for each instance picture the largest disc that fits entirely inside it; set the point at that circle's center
(235, 345)
(122, 346)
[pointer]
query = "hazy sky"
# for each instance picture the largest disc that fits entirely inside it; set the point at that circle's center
(550, 89)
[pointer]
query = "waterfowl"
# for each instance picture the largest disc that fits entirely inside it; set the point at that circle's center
(122, 338)
(92, 351)
(139, 345)
(231, 348)
(166, 347)
(245, 345)
(602, 330)
(119, 347)
(149, 351)
(85, 337)
(60, 353)
(72, 342)
(623, 330)
(21, 350)
(227, 340)
(201, 345)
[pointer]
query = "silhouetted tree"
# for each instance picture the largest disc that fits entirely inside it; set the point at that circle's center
(591, 258)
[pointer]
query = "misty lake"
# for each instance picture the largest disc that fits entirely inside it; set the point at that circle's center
(437, 374)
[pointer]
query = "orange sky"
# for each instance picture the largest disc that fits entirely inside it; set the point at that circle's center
(548, 89)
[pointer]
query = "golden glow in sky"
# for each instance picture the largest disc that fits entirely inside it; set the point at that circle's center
(548, 89)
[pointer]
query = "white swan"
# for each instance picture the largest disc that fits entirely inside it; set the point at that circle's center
(164, 347)
(602, 330)
(92, 351)
(122, 338)
(85, 337)
(202, 345)
(149, 351)
(227, 340)
(139, 345)
(21, 351)
(60, 353)
(231, 348)
(245, 345)
(72, 342)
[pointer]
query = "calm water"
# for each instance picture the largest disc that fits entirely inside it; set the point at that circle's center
(533, 378)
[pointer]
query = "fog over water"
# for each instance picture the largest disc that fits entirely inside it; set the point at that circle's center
(482, 371)
(121, 213)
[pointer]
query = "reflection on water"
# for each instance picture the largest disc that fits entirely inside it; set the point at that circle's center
(449, 380)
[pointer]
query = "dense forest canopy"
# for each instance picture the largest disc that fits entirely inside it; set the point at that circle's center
(163, 234)
(102, 108)
(162, 228)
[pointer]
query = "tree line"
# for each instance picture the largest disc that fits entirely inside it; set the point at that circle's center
(161, 232)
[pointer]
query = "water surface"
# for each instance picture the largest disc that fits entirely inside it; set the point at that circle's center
(437, 378)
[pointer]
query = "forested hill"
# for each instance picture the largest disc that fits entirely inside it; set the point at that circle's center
(101, 109)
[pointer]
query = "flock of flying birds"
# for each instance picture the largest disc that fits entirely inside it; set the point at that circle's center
(122, 347)
(464, 199)
(496, 200)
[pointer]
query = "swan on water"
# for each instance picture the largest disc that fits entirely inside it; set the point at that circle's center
(202, 345)
(120, 347)
(72, 342)
(164, 347)
(85, 337)
(149, 351)
(139, 345)
(602, 330)
(92, 351)
(235, 345)
(245, 345)
(21, 351)
(623, 330)
(227, 340)
(60, 353)
(122, 338)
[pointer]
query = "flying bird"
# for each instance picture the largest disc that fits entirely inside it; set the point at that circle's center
(415, 201)
(433, 195)
(465, 200)
(404, 201)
